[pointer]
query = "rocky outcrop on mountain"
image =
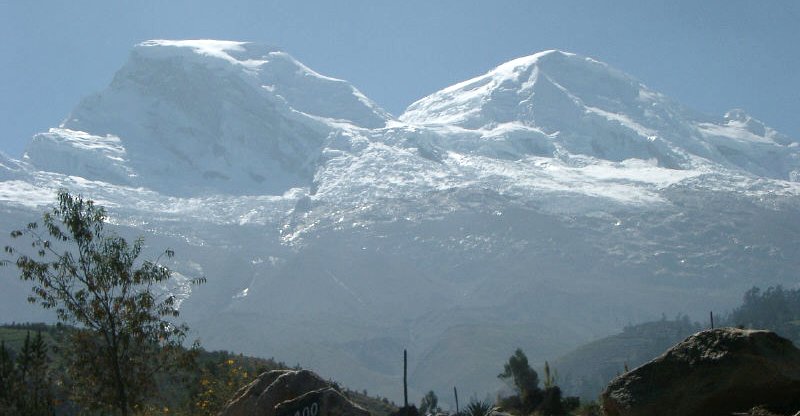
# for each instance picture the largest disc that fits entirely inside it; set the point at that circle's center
(714, 372)
(10, 169)
(290, 393)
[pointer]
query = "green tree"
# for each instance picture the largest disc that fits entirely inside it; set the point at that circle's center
(8, 382)
(24, 384)
(34, 394)
(525, 381)
(39, 377)
(429, 403)
(94, 279)
(520, 373)
(25, 358)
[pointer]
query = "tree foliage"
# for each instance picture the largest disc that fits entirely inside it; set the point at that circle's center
(218, 384)
(530, 399)
(776, 309)
(93, 279)
(24, 380)
(525, 381)
(429, 404)
(519, 372)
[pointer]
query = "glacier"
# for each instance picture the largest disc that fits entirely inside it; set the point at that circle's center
(543, 204)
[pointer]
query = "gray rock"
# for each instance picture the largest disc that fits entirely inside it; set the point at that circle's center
(714, 372)
(273, 389)
(323, 402)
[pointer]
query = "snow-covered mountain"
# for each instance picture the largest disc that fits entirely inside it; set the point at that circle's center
(565, 104)
(552, 200)
(195, 117)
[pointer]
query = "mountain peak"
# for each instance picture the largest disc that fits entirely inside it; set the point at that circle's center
(513, 90)
(245, 54)
(737, 114)
(279, 73)
(189, 117)
(222, 116)
(535, 59)
(566, 103)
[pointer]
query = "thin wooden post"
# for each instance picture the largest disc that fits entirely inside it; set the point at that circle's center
(405, 378)
(711, 314)
(455, 392)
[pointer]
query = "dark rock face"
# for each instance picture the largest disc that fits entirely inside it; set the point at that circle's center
(714, 372)
(287, 392)
(324, 402)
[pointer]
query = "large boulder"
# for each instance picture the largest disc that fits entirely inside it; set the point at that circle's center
(279, 392)
(714, 372)
(323, 402)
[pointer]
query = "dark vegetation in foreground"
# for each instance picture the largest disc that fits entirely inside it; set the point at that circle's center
(34, 379)
(206, 386)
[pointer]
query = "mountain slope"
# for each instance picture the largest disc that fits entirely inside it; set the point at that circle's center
(194, 117)
(577, 105)
(546, 203)
(586, 371)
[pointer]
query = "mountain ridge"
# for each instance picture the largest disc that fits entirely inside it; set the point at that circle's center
(583, 98)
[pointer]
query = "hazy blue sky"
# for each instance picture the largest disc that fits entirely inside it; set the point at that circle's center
(709, 55)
